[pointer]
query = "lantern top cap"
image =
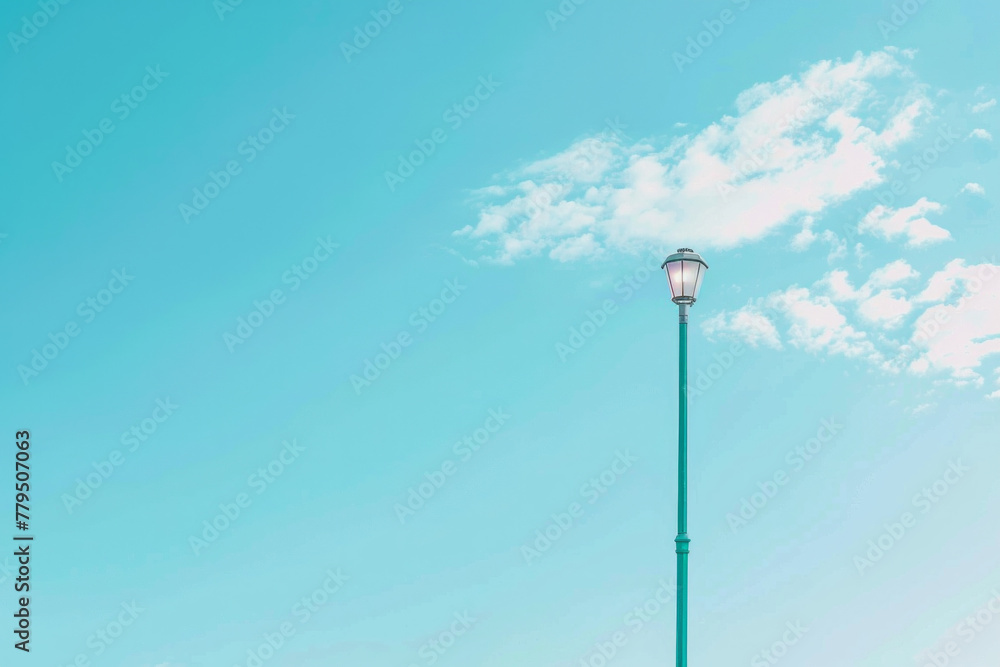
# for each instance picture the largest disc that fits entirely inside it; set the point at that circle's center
(684, 254)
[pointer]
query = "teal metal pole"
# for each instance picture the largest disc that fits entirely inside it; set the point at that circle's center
(682, 540)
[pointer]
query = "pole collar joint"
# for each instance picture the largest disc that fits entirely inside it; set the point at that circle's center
(682, 542)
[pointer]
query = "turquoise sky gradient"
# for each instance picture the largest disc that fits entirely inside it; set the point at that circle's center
(470, 390)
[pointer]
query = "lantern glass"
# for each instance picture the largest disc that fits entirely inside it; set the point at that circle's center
(685, 271)
(675, 277)
(697, 283)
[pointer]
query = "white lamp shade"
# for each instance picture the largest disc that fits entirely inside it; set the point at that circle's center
(685, 271)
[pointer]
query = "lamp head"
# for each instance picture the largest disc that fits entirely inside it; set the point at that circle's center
(685, 270)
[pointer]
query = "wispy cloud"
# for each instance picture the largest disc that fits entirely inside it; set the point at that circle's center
(980, 107)
(794, 147)
(909, 222)
(953, 324)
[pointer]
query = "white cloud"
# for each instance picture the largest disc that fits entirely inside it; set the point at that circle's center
(973, 189)
(955, 332)
(860, 253)
(880, 300)
(586, 161)
(909, 222)
(817, 325)
(886, 308)
(794, 147)
(941, 285)
(892, 273)
(805, 237)
(983, 106)
(838, 247)
(575, 248)
(980, 133)
(957, 336)
(747, 324)
(839, 286)
(814, 324)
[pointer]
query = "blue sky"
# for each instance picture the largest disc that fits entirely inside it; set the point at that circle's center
(318, 334)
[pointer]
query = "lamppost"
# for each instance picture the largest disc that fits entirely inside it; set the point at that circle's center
(685, 270)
